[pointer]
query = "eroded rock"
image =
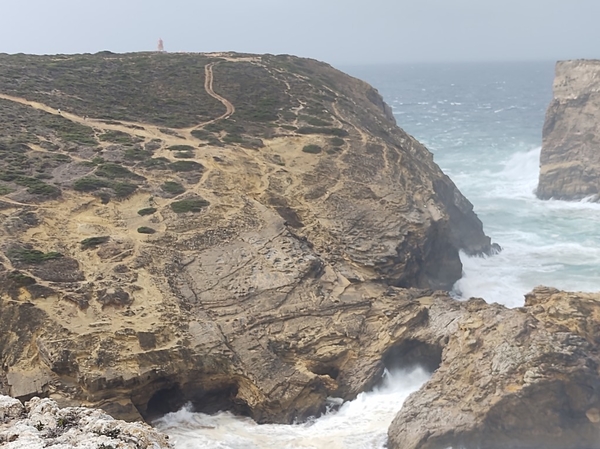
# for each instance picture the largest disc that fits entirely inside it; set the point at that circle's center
(509, 378)
(570, 161)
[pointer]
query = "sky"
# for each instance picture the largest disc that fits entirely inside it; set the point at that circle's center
(336, 31)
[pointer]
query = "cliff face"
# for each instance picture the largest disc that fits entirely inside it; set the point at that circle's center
(570, 160)
(216, 228)
(508, 378)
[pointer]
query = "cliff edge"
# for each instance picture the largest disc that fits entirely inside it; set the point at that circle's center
(570, 160)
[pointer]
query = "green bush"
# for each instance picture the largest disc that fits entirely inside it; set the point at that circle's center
(92, 242)
(89, 184)
(336, 142)
(123, 189)
(181, 147)
(114, 171)
(31, 256)
(314, 121)
(5, 190)
(158, 163)
(312, 149)
(172, 187)
(190, 205)
(116, 137)
(145, 230)
(186, 166)
(147, 211)
(136, 154)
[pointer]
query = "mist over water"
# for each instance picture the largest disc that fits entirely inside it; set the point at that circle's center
(483, 122)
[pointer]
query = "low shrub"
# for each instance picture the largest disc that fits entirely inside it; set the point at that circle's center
(145, 230)
(172, 187)
(89, 184)
(189, 205)
(93, 242)
(185, 166)
(312, 149)
(147, 211)
(31, 256)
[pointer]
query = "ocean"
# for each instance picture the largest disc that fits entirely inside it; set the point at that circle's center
(483, 123)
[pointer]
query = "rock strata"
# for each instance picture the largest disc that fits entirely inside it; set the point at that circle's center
(509, 378)
(570, 160)
(41, 423)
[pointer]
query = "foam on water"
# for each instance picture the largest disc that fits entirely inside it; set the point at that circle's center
(554, 243)
(358, 424)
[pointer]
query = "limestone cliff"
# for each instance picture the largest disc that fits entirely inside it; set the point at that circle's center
(214, 228)
(508, 378)
(570, 160)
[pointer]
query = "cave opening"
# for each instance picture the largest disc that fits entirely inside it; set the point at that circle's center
(410, 353)
(204, 398)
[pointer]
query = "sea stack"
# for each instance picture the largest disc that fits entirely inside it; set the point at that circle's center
(570, 159)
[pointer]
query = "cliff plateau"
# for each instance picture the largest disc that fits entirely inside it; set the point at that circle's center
(245, 232)
(570, 160)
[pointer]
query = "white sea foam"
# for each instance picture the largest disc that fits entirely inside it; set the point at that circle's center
(554, 243)
(358, 424)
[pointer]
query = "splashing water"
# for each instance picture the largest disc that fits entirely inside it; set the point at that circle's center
(358, 424)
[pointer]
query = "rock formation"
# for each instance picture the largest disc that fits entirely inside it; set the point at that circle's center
(508, 378)
(570, 160)
(222, 229)
(41, 423)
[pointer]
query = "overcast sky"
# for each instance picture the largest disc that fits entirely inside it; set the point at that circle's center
(336, 31)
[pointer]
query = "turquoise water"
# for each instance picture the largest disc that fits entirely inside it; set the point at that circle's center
(483, 122)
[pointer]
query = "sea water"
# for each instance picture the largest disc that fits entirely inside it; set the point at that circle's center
(483, 122)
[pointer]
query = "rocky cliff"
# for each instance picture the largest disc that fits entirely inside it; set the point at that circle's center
(570, 160)
(508, 378)
(223, 229)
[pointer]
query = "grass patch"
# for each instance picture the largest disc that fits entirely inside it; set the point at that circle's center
(190, 205)
(5, 190)
(312, 149)
(186, 166)
(172, 187)
(93, 242)
(145, 230)
(31, 256)
(147, 211)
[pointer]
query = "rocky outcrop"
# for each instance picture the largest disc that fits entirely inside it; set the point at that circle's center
(239, 263)
(508, 378)
(41, 423)
(570, 160)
